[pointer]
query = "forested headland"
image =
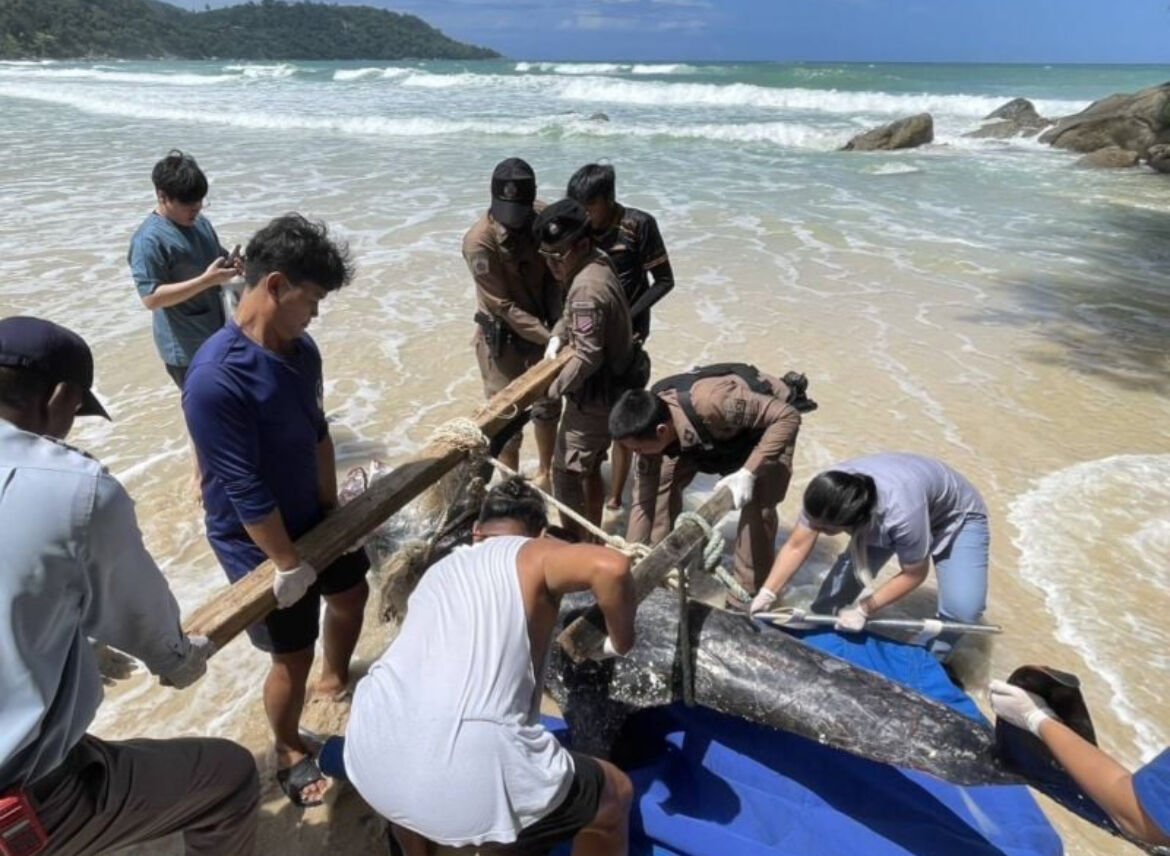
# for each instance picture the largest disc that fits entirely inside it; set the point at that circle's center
(271, 29)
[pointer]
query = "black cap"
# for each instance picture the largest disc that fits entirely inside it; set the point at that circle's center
(560, 223)
(49, 349)
(513, 192)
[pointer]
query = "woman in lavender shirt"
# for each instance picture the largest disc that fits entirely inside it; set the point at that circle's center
(892, 504)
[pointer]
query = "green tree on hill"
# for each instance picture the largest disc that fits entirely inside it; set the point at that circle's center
(272, 29)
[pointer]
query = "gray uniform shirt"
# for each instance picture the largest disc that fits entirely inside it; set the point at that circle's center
(921, 503)
(72, 566)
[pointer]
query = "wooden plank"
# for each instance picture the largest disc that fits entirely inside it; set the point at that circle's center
(233, 608)
(583, 638)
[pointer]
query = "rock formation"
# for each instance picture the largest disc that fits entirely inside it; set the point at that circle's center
(1017, 118)
(902, 134)
(1134, 122)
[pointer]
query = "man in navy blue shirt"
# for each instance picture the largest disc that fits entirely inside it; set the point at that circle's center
(253, 402)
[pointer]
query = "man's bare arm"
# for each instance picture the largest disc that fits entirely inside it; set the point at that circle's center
(605, 572)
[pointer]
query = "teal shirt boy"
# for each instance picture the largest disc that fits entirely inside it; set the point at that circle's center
(162, 251)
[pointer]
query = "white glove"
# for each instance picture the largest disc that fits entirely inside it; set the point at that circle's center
(1018, 706)
(608, 651)
(741, 483)
(553, 347)
(193, 666)
(852, 619)
(763, 601)
(290, 586)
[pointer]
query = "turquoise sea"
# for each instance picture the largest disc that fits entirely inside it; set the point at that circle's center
(982, 301)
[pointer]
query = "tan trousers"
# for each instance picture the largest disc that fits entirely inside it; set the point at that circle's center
(108, 795)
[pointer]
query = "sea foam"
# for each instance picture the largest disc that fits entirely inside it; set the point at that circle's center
(1093, 509)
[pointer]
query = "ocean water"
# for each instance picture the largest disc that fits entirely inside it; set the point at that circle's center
(981, 301)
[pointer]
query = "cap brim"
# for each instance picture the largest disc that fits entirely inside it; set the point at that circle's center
(513, 215)
(90, 406)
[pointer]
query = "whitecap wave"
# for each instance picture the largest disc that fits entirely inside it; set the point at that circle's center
(663, 68)
(786, 134)
(1107, 611)
(111, 76)
(572, 68)
(661, 93)
(344, 75)
(278, 70)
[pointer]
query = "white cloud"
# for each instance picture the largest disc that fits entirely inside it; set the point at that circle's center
(595, 21)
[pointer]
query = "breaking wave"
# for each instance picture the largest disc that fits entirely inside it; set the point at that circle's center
(653, 93)
(348, 74)
(588, 68)
(777, 133)
(42, 72)
(278, 70)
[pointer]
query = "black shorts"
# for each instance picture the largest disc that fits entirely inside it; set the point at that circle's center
(285, 631)
(178, 374)
(575, 812)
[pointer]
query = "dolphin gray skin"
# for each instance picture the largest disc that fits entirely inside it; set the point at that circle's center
(763, 674)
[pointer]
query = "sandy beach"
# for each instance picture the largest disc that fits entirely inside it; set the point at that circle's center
(983, 303)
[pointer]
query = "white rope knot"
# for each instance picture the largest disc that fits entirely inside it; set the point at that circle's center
(461, 434)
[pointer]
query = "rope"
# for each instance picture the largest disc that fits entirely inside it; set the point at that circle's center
(713, 555)
(462, 435)
(637, 552)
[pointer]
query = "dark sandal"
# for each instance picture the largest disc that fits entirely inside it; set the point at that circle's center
(296, 778)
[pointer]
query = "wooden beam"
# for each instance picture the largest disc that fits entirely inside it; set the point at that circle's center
(233, 608)
(583, 638)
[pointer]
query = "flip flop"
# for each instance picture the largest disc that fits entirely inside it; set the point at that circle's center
(326, 750)
(293, 781)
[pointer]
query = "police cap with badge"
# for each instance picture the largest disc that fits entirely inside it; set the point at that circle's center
(513, 192)
(560, 225)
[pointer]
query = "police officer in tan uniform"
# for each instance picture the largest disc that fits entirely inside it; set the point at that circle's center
(517, 300)
(729, 419)
(631, 239)
(596, 323)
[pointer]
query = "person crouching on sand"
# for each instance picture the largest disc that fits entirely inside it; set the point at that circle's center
(444, 738)
(73, 568)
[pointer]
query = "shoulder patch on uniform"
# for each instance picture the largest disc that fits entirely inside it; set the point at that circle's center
(480, 264)
(583, 321)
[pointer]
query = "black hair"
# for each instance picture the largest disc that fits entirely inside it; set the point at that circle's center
(22, 389)
(592, 182)
(637, 414)
(300, 249)
(840, 499)
(515, 499)
(178, 177)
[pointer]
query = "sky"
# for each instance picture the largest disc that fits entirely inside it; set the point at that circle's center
(1040, 31)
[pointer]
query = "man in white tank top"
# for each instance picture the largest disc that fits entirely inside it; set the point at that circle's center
(444, 737)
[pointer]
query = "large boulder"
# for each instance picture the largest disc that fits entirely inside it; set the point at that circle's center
(1158, 157)
(1110, 157)
(1134, 122)
(1017, 118)
(902, 134)
(1017, 110)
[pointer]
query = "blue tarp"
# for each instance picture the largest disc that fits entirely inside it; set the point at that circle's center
(708, 784)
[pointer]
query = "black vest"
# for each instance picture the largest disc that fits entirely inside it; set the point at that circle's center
(716, 456)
